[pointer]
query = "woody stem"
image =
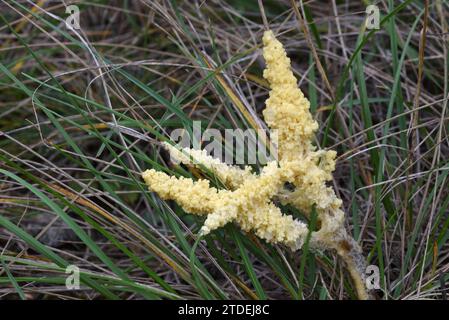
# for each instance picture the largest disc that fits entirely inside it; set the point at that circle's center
(350, 252)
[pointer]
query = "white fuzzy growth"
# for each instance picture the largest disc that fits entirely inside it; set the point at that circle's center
(231, 176)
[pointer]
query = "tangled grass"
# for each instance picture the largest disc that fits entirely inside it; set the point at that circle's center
(83, 112)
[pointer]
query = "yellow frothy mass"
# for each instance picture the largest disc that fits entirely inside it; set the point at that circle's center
(249, 200)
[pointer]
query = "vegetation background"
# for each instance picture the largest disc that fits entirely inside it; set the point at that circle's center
(81, 114)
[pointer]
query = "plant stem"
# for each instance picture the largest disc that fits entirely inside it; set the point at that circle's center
(351, 253)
